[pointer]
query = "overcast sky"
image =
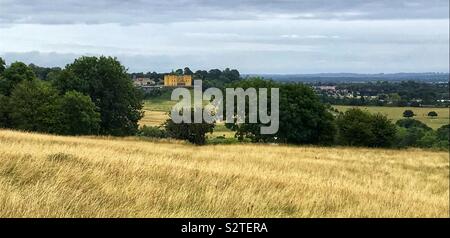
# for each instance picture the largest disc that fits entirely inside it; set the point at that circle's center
(253, 36)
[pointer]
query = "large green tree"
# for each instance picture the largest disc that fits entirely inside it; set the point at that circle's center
(354, 128)
(360, 128)
(105, 80)
(13, 75)
(192, 132)
(443, 135)
(77, 115)
(187, 71)
(443, 132)
(384, 131)
(34, 107)
(412, 123)
(303, 119)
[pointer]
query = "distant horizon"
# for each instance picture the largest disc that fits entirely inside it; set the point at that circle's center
(349, 73)
(9, 61)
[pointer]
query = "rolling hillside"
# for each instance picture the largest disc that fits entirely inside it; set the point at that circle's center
(54, 176)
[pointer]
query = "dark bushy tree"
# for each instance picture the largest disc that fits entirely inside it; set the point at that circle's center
(360, 128)
(303, 119)
(77, 115)
(187, 71)
(44, 73)
(408, 113)
(106, 81)
(419, 137)
(428, 140)
(409, 136)
(3, 111)
(412, 123)
(432, 114)
(383, 130)
(13, 75)
(354, 128)
(152, 132)
(443, 132)
(414, 133)
(192, 132)
(34, 107)
(216, 77)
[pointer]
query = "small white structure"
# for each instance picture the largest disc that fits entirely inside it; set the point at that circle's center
(141, 82)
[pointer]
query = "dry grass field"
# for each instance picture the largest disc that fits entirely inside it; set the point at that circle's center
(54, 176)
(153, 118)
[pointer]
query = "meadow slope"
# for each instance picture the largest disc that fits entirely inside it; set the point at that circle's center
(54, 176)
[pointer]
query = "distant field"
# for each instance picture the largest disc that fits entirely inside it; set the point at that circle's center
(157, 109)
(163, 105)
(55, 176)
(153, 118)
(163, 102)
(156, 112)
(396, 113)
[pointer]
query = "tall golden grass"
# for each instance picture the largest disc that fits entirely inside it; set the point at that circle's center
(54, 176)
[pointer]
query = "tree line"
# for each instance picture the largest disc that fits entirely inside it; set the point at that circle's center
(405, 93)
(92, 95)
(95, 96)
(304, 119)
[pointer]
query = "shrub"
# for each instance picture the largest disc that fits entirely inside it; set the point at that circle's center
(443, 132)
(434, 139)
(428, 140)
(158, 93)
(360, 128)
(383, 130)
(192, 132)
(222, 140)
(78, 115)
(419, 137)
(35, 107)
(152, 132)
(407, 137)
(408, 113)
(354, 128)
(410, 123)
(432, 114)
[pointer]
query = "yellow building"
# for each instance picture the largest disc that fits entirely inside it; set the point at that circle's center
(177, 80)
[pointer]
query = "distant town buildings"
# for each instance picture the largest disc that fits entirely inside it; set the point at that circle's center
(326, 88)
(140, 82)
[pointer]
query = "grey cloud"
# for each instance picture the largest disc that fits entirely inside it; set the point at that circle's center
(353, 58)
(259, 36)
(147, 11)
